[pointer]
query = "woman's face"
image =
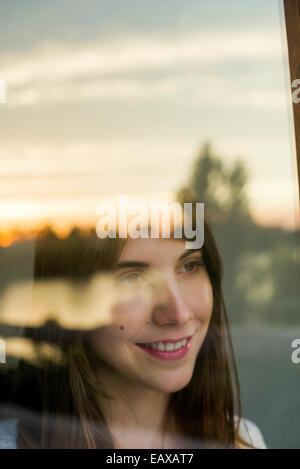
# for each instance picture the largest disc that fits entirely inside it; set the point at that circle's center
(155, 345)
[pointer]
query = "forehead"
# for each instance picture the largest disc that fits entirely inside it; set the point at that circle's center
(156, 252)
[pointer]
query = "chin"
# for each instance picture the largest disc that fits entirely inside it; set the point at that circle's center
(172, 382)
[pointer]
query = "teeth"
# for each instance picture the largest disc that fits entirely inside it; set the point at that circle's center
(178, 345)
(167, 346)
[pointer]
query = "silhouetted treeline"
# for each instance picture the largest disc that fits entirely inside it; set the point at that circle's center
(50, 332)
(48, 255)
(261, 264)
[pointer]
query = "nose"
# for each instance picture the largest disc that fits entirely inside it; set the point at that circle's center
(174, 310)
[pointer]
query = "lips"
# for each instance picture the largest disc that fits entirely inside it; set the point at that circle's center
(171, 349)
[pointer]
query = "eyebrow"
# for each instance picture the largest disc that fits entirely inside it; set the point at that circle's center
(145, 265)
(127, 264)
(188, 252)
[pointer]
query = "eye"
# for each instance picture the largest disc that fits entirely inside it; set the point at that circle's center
(191, 267)
(131, 278)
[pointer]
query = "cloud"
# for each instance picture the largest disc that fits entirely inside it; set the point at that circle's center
(95, 70)
(67, 159)
(48, 172)
(196, 90)
(95, 90)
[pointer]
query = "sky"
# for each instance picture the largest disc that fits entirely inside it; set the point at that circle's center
(117, 97)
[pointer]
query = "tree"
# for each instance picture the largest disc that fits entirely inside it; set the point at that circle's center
(221, 187)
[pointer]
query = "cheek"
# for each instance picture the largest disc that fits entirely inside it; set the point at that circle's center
(133, 313)
(115, 337)
(131, 319)
(199, 298)
(108, 342)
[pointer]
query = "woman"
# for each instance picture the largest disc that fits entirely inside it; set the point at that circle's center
(162, 374)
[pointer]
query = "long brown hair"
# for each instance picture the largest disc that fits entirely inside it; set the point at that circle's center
(207, 410)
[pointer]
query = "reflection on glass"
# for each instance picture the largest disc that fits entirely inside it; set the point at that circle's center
(183, 102)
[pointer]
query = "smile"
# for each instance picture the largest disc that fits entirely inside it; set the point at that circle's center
(167, 349)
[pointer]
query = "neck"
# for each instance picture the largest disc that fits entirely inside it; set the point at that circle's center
(134, 414)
